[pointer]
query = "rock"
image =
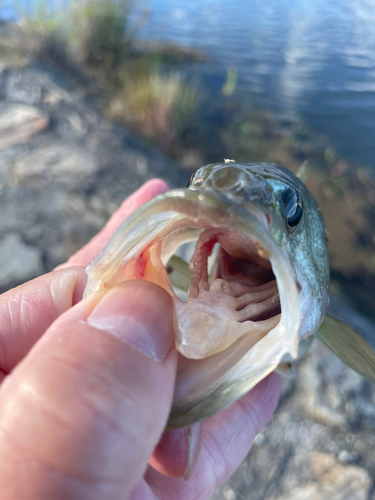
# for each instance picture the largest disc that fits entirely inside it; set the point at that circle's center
(55, 163)
(18, 261)
(25, 86)
(325, 410)
(319, 444)
(333, 481)
(18, 123)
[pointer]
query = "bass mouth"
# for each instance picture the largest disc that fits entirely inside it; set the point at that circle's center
(212, 379)
(235, 294)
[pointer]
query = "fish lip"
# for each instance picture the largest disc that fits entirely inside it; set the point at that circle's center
(199, 207)
(183, 208)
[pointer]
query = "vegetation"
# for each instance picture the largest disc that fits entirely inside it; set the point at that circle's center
(89, 31)
(99, 31)
(149, 97)
(146, 87)
(155, 105)
(42, 21)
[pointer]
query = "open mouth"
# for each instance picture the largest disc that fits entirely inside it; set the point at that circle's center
(243, 311)
(235, 295)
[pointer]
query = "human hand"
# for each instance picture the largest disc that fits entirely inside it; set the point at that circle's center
(87, 385)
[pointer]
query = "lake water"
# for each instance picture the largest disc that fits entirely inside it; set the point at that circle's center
(310, 58)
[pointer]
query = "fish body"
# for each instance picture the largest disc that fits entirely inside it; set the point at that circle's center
(257, 282)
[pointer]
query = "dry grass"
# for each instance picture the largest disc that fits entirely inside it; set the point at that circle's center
(154, 105)
(94, 32)
(98, 35)
(99, 31)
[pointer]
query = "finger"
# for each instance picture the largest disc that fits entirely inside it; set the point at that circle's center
(145, 193)
(97, 390)
(28, 310)
(178, 450)
(227, 438)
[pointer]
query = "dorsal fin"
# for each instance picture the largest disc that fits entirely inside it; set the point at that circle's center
(302, 172)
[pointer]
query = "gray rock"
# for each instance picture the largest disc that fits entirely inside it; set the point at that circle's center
(18, 123)
(332, 481)
(319, 444)
(25, 86)
(18, 261)
(59, 164)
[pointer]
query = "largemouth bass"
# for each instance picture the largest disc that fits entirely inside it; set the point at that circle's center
(257, 284)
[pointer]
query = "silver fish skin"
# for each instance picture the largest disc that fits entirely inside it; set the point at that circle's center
(270, 187)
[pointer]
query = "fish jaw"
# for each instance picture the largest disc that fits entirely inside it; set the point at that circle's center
(215, 377)
(264, 185)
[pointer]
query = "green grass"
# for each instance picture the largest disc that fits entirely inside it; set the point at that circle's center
(43, 21)
(99, 31)
(148, 98)
(155, 105)
(93, 32)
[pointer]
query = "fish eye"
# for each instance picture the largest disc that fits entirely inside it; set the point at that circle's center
(294, 219)
(292, 207)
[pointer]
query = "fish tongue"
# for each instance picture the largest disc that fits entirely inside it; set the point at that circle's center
(221, 311)
(218, 315)
(210, 323)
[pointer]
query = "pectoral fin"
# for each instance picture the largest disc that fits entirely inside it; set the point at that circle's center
(347, 345)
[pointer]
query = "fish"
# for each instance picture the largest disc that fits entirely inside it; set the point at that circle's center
(255, 292)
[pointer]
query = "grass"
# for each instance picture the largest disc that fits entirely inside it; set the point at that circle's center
(155, 105)
(250, 134)
(150, 100)
(93, 32)
(99, 31)
(43, 21)
(146, 91)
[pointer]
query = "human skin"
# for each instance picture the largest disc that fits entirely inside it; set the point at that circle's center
(87, 386)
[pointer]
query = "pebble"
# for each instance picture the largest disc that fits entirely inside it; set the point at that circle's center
(18, 123)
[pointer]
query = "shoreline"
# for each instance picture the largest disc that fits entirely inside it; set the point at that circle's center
(60, 183)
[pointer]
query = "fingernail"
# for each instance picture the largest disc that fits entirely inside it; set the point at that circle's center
(178, 450)
(195, 440)
(140, 313)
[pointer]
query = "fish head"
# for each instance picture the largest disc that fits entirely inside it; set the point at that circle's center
(258, 276)
(292, 217)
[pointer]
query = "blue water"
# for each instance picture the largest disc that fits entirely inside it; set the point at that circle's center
(309, 58)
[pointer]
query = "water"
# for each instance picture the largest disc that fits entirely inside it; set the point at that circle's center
(314, 59)
(310, 58)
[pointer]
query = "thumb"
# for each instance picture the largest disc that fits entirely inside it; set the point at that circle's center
(82, 413)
